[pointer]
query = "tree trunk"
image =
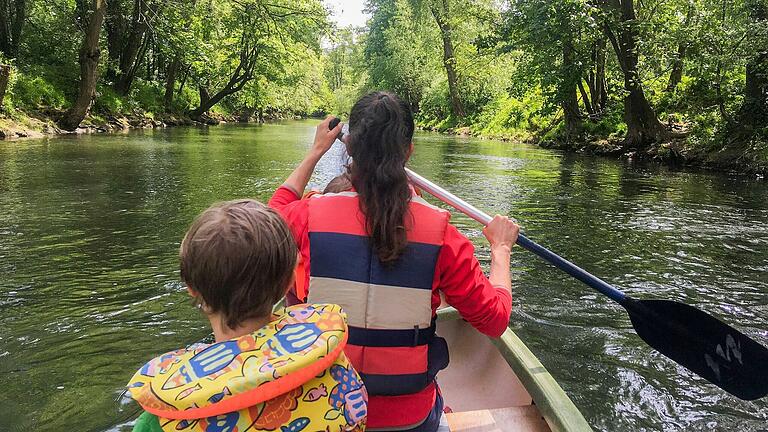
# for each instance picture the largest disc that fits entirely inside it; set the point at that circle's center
(677, 69)
(570, 102)
(184, 78)
(13, 14)
(89, 63)
(449, 60)
(242, 74)
(585, 99)
(17, 26)
(207, 102)
(677, 65)
(115, 27)
(5, 76)
(601, 86)
(133, 50)
(598, 95)
(5, 31)
(170, 82)
(643, 126)
(753, 113)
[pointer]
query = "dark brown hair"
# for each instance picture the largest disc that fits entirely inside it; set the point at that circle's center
(240, 256)
(381, 132)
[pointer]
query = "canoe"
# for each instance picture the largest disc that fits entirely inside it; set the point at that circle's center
(499, 385)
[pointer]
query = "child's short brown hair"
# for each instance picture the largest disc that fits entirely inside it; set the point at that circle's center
(240, 257)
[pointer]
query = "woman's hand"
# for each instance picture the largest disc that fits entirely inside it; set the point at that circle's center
(501, 232)
(324, 137)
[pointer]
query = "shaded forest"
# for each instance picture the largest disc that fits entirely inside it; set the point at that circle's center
(678, 80)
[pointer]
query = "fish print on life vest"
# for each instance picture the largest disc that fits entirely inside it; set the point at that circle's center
(348, 396)
(206, 363)
(294, 338)
(316, 393)
(296, 426)
(191, 390)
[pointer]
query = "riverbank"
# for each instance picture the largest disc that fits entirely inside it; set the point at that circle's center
(39, 125)
(681, 150)
(677, 152)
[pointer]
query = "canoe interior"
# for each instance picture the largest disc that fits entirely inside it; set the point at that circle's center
(480, 387)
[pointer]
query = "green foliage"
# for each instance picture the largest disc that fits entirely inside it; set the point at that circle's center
(35, 92)
(109, 102)
(148, 95)
(506, 113)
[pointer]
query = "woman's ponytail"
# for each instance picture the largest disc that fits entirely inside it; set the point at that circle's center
(381, 131)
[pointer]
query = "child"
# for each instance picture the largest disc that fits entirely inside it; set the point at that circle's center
(284, 371)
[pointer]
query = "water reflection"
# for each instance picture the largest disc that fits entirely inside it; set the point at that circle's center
(90, 226)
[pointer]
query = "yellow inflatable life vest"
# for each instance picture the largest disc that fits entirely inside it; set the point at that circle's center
(291, 375)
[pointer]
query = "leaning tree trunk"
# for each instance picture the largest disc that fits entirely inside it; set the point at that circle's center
(643, 126)
(242, 74)
(5, 76)
(449, 59)
(89, 63)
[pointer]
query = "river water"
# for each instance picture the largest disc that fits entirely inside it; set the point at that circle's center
(89, 289)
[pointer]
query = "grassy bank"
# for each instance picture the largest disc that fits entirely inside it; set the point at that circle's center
(705, 140)
(33, 105)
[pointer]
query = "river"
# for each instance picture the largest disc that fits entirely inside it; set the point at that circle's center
(89, 290)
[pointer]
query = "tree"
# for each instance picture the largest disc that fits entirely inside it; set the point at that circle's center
(677, 63)
(751, 121)
(90, 53)
(556, 36)
(643, 126)
(441, 12)
(247, 36)
(13, 14)
(395, 52)
(135, 42)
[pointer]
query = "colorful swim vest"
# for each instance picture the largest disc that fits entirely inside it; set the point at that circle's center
(392, 342)
(291, 375)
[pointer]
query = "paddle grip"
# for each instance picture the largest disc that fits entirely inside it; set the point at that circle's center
(544, 253)
(333, 123)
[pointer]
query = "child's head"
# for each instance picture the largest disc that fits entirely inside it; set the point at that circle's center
(339, 183)
(238, 257)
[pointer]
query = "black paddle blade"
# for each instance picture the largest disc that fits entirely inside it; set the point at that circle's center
(705, 345)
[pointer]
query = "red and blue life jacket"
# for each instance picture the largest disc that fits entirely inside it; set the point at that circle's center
(392, 341)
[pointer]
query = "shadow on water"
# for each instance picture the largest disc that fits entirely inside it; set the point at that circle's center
(90, 227)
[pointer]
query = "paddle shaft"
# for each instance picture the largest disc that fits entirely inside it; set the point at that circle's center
(549, 256)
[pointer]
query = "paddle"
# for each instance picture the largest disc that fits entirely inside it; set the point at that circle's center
(692, 338)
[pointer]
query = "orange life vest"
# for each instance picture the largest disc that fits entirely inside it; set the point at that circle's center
(392, 341)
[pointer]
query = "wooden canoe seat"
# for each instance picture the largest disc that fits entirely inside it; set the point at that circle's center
(511, 419)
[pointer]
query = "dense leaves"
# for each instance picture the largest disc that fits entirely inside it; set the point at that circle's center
(185, 57)
(665, 78)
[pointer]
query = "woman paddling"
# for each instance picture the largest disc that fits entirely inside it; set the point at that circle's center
(385, 255)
